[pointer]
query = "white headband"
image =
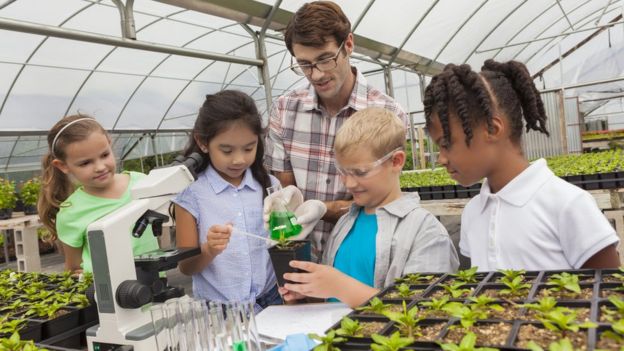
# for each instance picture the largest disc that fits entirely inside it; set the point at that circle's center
(65, 127)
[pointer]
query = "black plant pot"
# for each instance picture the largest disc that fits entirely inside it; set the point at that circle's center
(449, 191)
(437, 192)
(425, 193)
(6, 213)
(52, 327)
(576, 180)
(462, 192)
(281, 257)
(591, 182)
(475, 189)
(30, 209)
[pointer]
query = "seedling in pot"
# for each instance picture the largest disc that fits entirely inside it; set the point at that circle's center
(350, 327)
(565, 286)
(563, 320)
(406, 321)
(435, 307)
(328, 342)
(375, 306)
(455, 290)
(467, 344)
(393, 343)
(9, 326)
(15, 344)
(467, 315)
(485, 304)
(616, 333)
(561, 345)
(515, 288)
(467, 275)
(415, 279)
(615, 277)
(403, 291)
(543, 306)
(611, 315)
(511, 274)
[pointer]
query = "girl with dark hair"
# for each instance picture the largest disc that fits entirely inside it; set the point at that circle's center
(227, 194)
(525, 217)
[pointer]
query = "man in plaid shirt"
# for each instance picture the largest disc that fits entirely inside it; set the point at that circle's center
(304, 122)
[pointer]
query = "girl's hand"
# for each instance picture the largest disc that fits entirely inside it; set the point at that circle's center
(217, 239)
(321, 281)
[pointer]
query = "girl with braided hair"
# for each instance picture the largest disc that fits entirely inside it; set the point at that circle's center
(524, 217)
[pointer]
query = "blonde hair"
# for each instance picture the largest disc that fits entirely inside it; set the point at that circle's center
(55, 185)
(375, 128)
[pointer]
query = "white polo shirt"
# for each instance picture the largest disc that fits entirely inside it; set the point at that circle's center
(537, 221)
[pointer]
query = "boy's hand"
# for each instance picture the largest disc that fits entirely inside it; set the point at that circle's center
(289, 296)
(217, 239)
(321, 281)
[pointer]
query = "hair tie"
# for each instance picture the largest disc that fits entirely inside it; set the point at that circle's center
(62, 129)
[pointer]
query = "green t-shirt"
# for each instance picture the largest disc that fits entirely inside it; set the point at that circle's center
(81, 209)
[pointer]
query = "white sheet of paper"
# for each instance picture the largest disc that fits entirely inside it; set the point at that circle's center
(279, 321)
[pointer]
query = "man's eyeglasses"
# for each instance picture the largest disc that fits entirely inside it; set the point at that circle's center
(368, 170)
(323, 65)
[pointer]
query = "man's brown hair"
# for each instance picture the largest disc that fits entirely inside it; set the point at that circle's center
(314, 23)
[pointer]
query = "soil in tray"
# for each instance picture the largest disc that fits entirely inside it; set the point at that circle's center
(543, 337)
(430, 332)
(490, 334)
(370, 328)
(439, 292)
(605, 293)
(608, 314)
(586, 294)
(509, 312)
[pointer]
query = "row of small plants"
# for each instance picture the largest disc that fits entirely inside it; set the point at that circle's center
(603, 135)
(590, 171)
(470, 310)
(30, 303)
(28, 194)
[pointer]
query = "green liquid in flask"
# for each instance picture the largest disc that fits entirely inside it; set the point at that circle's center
(283, 225)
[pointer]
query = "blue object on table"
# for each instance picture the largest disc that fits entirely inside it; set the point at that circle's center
(295, 342)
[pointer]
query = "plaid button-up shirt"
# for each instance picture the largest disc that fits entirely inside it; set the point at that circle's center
(301, 140)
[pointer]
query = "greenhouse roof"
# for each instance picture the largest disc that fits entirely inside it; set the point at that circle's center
(145, 82)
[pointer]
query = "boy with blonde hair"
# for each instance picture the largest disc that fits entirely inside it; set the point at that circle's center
(386, 233)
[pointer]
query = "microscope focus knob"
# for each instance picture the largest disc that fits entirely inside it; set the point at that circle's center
(133, 294)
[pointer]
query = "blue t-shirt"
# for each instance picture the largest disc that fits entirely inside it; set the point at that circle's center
(356, 255)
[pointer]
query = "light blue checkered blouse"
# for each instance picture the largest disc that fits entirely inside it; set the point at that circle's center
(243, 270)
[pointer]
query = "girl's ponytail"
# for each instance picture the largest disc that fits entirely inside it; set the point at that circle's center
(55, 188)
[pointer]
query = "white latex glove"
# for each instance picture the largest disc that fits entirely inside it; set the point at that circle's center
(308, 214)
(290, 196)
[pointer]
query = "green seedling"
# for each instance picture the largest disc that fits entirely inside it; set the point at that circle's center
(616, 333)
(414, 279)
(543, 305)
(467, 275)
(328, 342)
(561, 345)
(10, 326)
(564, 282)
(15, 344)
(393, 343)
(515, 287)
(435, 304)
(561, 320)
(350, 327)
(466, 344)
(511, 274)
(455, 289)
(405, 291)
(485, 303)
(374, 306)
(406, 320)
(613, 315)
(468, 315)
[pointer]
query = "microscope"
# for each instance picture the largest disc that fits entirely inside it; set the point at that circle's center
(126, 285)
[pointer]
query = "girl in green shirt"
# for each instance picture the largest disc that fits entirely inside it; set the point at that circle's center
(80, 185)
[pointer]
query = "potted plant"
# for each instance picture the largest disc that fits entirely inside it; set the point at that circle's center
(285, 251)
(7, 198)
(29, 193)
